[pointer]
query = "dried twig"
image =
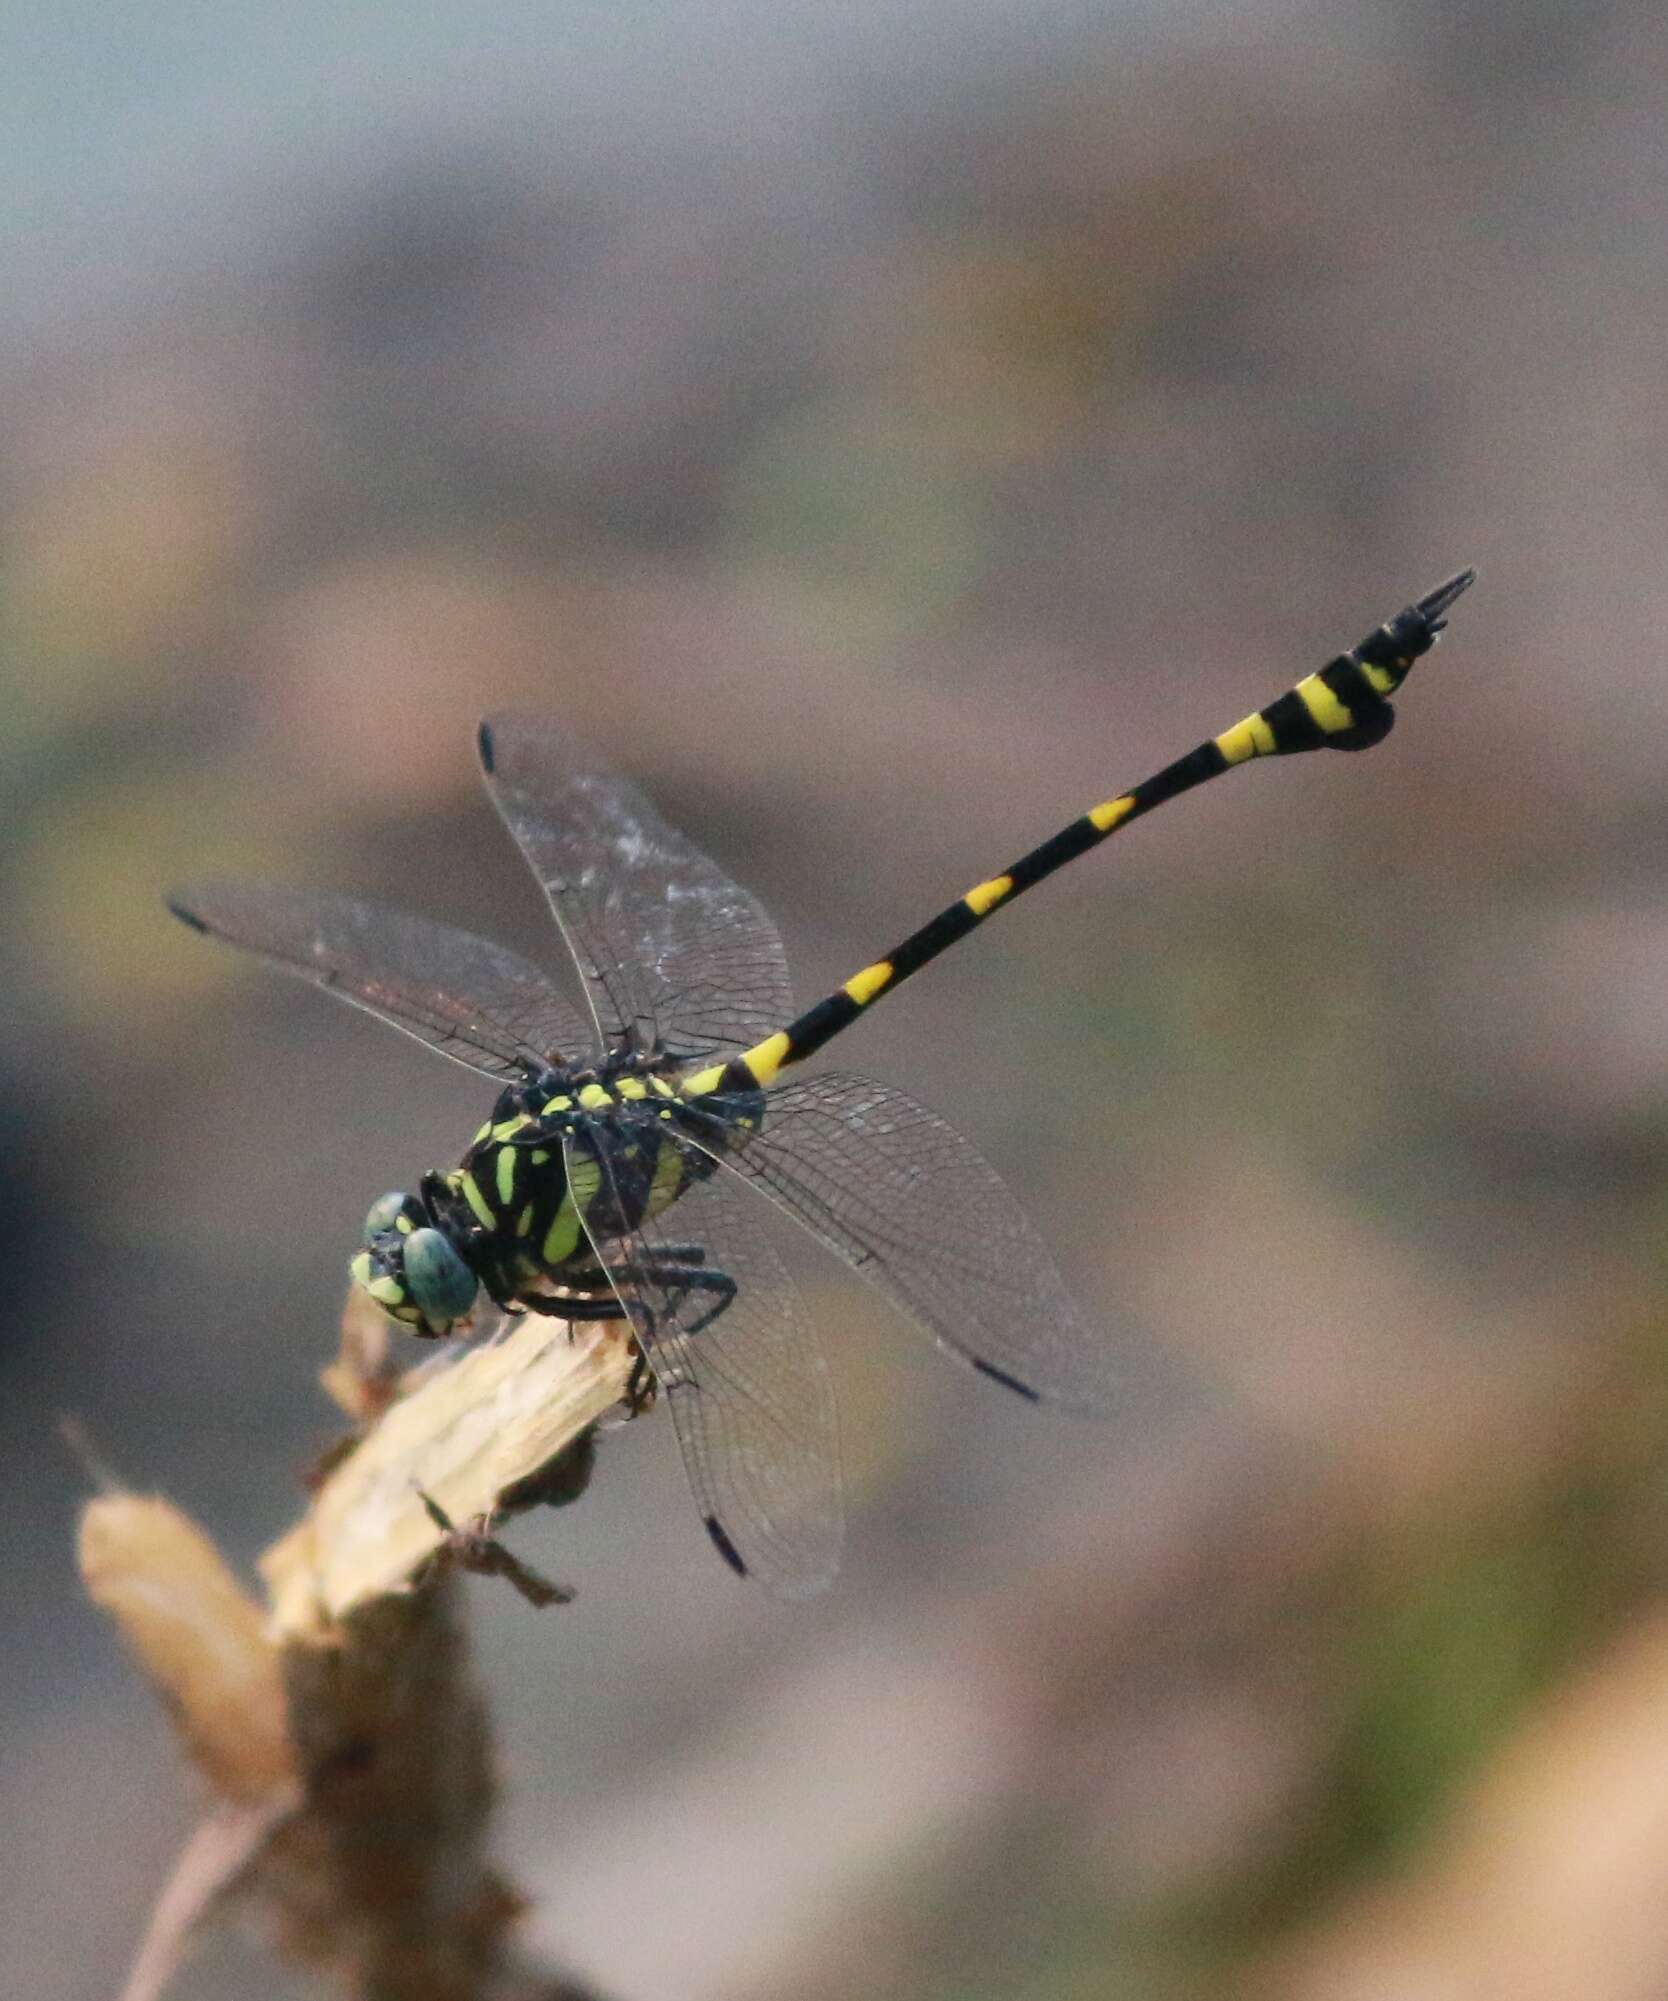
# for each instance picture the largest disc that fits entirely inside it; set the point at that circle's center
(344, 1747)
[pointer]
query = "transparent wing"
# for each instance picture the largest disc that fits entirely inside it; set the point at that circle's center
(748, 1391)
(462, 995)
(667, 944)
(906, 1201)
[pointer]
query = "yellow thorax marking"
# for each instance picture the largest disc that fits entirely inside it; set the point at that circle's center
(983, 897)
(594, 1097)
(632, 1087)
(1106, 816)
(477, 1201)
(584, 1179)
(507, 1158)
(1324, 706)
(558, 1105)
(1251, 738)
(507, 1128)
(563, 1233)
(668, 1179)
(862, 987)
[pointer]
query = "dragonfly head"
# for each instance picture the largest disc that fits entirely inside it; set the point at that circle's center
(413, 1271)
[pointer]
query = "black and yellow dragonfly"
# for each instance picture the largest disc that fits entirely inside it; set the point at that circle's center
(668, 1094)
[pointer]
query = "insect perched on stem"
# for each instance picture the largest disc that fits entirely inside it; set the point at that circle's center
(667, 1096)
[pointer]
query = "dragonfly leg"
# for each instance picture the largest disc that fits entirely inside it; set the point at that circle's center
(640, 1384)
(677, 1270)
(722, 1289)
(680, 1278)
(586, 1307)
(677, 1277)
(472, 1546)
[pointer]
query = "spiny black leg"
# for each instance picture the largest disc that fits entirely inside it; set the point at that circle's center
(601, 1307)
(679, 1280)
(723, 1290)
(683, 1279)
(640, 1385)
(667, 1270)
(474, 1548)
(675, 1267)
(589, 1275)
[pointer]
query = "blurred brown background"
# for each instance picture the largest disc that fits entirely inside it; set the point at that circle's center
(885, 432)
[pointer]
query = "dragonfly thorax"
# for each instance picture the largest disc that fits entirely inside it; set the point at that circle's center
(570, 1155)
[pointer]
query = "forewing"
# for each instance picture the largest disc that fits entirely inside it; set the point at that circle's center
(465, 996)
(906, 1201)
(667, 944)
(749, 1392)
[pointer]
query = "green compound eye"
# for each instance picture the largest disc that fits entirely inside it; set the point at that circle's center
(441, 1285)
(384, 1214)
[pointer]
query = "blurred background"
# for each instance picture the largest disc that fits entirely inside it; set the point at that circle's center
(886, 430)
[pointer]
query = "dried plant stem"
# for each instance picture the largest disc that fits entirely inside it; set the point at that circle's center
(345, 1748)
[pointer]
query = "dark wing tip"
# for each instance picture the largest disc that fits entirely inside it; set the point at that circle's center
(1008, 1382)
(722, 1543)
(498, 734)
(1438, 601)
(176, 902)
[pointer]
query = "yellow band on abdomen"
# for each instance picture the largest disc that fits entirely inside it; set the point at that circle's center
(862, 987)
(985, 896)
(765, 1058)
(1332, 715)
(1251, 738)
(1107, 815)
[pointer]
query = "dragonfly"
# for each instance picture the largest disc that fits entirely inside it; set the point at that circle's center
(665, 1099)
